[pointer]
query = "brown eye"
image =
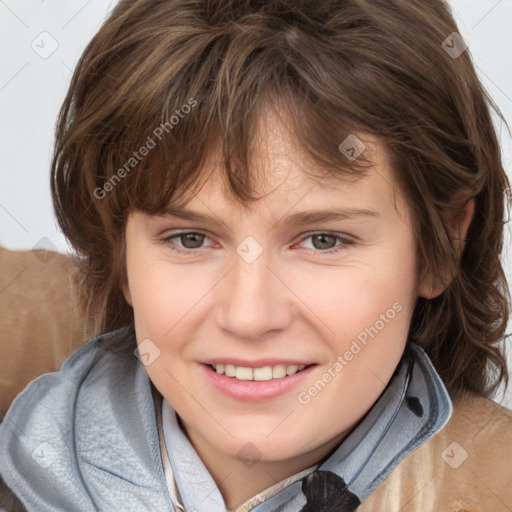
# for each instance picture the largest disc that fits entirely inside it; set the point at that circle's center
(187, 242)
(191, 240)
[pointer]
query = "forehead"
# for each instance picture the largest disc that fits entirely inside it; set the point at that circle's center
(284, 173)
(285, 176)
(277, 157)
(290, 193)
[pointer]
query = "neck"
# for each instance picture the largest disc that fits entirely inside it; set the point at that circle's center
(239, 480)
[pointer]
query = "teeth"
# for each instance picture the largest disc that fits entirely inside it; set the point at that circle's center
(290, 370)
(243, 373)
(229, 370)
(264, 373)
(279, 371)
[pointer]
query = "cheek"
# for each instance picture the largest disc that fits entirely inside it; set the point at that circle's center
(165, 298)
(366, 317)
(153, 292)
(354, 296)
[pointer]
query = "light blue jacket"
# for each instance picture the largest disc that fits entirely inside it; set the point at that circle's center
(85, 438)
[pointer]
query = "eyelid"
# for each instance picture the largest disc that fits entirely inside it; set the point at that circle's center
(344, 236)
(346, 240)
(176, 234)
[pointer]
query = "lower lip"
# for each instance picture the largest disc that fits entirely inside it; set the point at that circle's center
(255, 390)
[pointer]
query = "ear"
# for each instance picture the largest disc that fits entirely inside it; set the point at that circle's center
(459, 223)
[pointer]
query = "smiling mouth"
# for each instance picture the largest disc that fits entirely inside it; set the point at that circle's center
(263, 373)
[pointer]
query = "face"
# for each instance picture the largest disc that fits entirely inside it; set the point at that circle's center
(263, 293)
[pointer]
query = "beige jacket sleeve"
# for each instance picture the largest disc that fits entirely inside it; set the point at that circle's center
(467, 467)
(40, 322)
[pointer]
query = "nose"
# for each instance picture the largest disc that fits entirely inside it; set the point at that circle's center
(253, 300)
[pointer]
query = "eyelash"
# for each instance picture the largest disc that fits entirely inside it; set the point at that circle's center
(340, 247)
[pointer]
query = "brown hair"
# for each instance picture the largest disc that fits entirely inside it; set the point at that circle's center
(190, 76)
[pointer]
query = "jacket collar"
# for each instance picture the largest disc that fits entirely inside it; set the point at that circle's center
(91, 427)
(414, 406)
(84, 438)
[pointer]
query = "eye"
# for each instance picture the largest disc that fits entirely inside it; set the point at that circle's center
(190, 241)
(326, 242)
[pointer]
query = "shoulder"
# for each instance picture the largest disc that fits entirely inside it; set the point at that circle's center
(59, 388)
(39, 308)
(466, 466)
(476, 417)
(36, 434)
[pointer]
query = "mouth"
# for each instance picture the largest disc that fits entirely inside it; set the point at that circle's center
(263, 373)
(259, 382)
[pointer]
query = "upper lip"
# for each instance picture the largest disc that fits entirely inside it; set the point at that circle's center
(255, 363)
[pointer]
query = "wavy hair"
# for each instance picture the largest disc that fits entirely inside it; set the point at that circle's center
(190, 76)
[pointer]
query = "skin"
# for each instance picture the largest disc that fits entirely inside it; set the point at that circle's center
(295, 300)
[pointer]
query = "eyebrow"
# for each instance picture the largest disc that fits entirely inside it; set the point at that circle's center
(294, 219)
(314, 216)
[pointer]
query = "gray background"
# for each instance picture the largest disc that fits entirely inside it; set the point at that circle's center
(40, 43)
